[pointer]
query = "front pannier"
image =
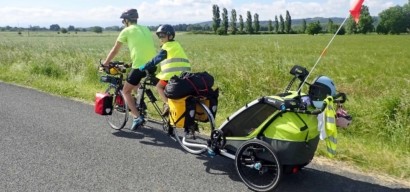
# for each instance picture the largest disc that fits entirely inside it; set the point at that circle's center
(103, 103)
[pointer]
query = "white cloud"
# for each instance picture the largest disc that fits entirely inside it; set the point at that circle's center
(176, 11)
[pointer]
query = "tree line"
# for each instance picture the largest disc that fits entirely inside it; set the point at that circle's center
(394, 20)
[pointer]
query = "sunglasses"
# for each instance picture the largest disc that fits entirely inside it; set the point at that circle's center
(161, 35)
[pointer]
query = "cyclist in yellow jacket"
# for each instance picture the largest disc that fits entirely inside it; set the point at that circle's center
(172, 59)
(142, 48)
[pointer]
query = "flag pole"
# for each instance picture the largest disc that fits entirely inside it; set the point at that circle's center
(324, 51)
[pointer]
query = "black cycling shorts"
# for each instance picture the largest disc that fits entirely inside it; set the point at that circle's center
(135, 75)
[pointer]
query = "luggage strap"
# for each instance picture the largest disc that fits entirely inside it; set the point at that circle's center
(196, 89)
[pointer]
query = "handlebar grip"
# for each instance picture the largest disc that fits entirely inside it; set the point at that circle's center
(337, 96)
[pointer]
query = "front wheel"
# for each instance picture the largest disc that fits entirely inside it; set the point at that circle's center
(119, 116)
(257, 165)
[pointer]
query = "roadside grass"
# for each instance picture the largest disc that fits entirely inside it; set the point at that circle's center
(373, 70)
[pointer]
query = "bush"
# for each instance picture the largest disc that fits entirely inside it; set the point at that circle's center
(64, 30)
(397, 121)
(97, 29)
(49, 70)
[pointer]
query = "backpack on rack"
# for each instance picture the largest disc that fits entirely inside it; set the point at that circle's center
(197, 84)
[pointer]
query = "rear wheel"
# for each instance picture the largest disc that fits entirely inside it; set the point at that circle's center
(257, 165)
(119, 116)
(191, 139)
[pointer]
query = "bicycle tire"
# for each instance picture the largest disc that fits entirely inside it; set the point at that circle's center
(119, 116)
(257, 165)
(190, 138)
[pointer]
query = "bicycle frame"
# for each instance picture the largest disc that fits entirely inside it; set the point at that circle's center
(144, 90)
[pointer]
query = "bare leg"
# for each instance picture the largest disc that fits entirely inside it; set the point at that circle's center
(160, 89)
(127, 90)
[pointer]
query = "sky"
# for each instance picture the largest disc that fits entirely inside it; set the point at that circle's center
(104, 13)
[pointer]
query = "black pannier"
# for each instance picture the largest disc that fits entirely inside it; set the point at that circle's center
(196, 84)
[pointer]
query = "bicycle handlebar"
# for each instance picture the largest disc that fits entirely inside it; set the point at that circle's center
(340, 98)
(118, 65)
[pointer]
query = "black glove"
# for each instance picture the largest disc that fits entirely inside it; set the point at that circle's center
(106, 69)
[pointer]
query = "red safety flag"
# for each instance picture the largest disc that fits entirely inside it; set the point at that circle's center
(355, 10)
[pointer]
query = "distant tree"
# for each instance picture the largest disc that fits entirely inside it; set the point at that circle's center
(406, 9)
(281, 24)
(394, 20)
(233, 22)
(63, 30)
(54, 27)
(180, 27)
(270, 26)
(276, 24)
(248, 27)
(365, 24)
(304, 26)
(342, 30)
(241, 24)
(113, 28)
(381, 29)
(256, 22)
(329, 26)
(288, 23)
(36, 28)
(71, 28)
(195, 27)
(216, 19)
(351, 26)
(313, 28)
(97, 29)
(225, 22)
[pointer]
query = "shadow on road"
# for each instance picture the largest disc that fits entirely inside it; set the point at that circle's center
(315, 180)
(128, 134)
(153, 136)
(307, 180)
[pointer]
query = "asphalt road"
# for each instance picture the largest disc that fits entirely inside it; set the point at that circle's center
(50, 143)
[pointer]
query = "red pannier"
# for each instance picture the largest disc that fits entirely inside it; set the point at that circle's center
(103, 103)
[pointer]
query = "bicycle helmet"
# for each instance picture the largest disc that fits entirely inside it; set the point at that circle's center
(321, 87)
(130, 14)
(167, 29)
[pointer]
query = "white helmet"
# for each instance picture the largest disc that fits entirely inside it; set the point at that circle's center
(321, 87)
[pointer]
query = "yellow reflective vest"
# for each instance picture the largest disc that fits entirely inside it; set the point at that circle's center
(327, 126)
(175, 63)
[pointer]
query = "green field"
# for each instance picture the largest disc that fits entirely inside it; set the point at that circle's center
(373, 70)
